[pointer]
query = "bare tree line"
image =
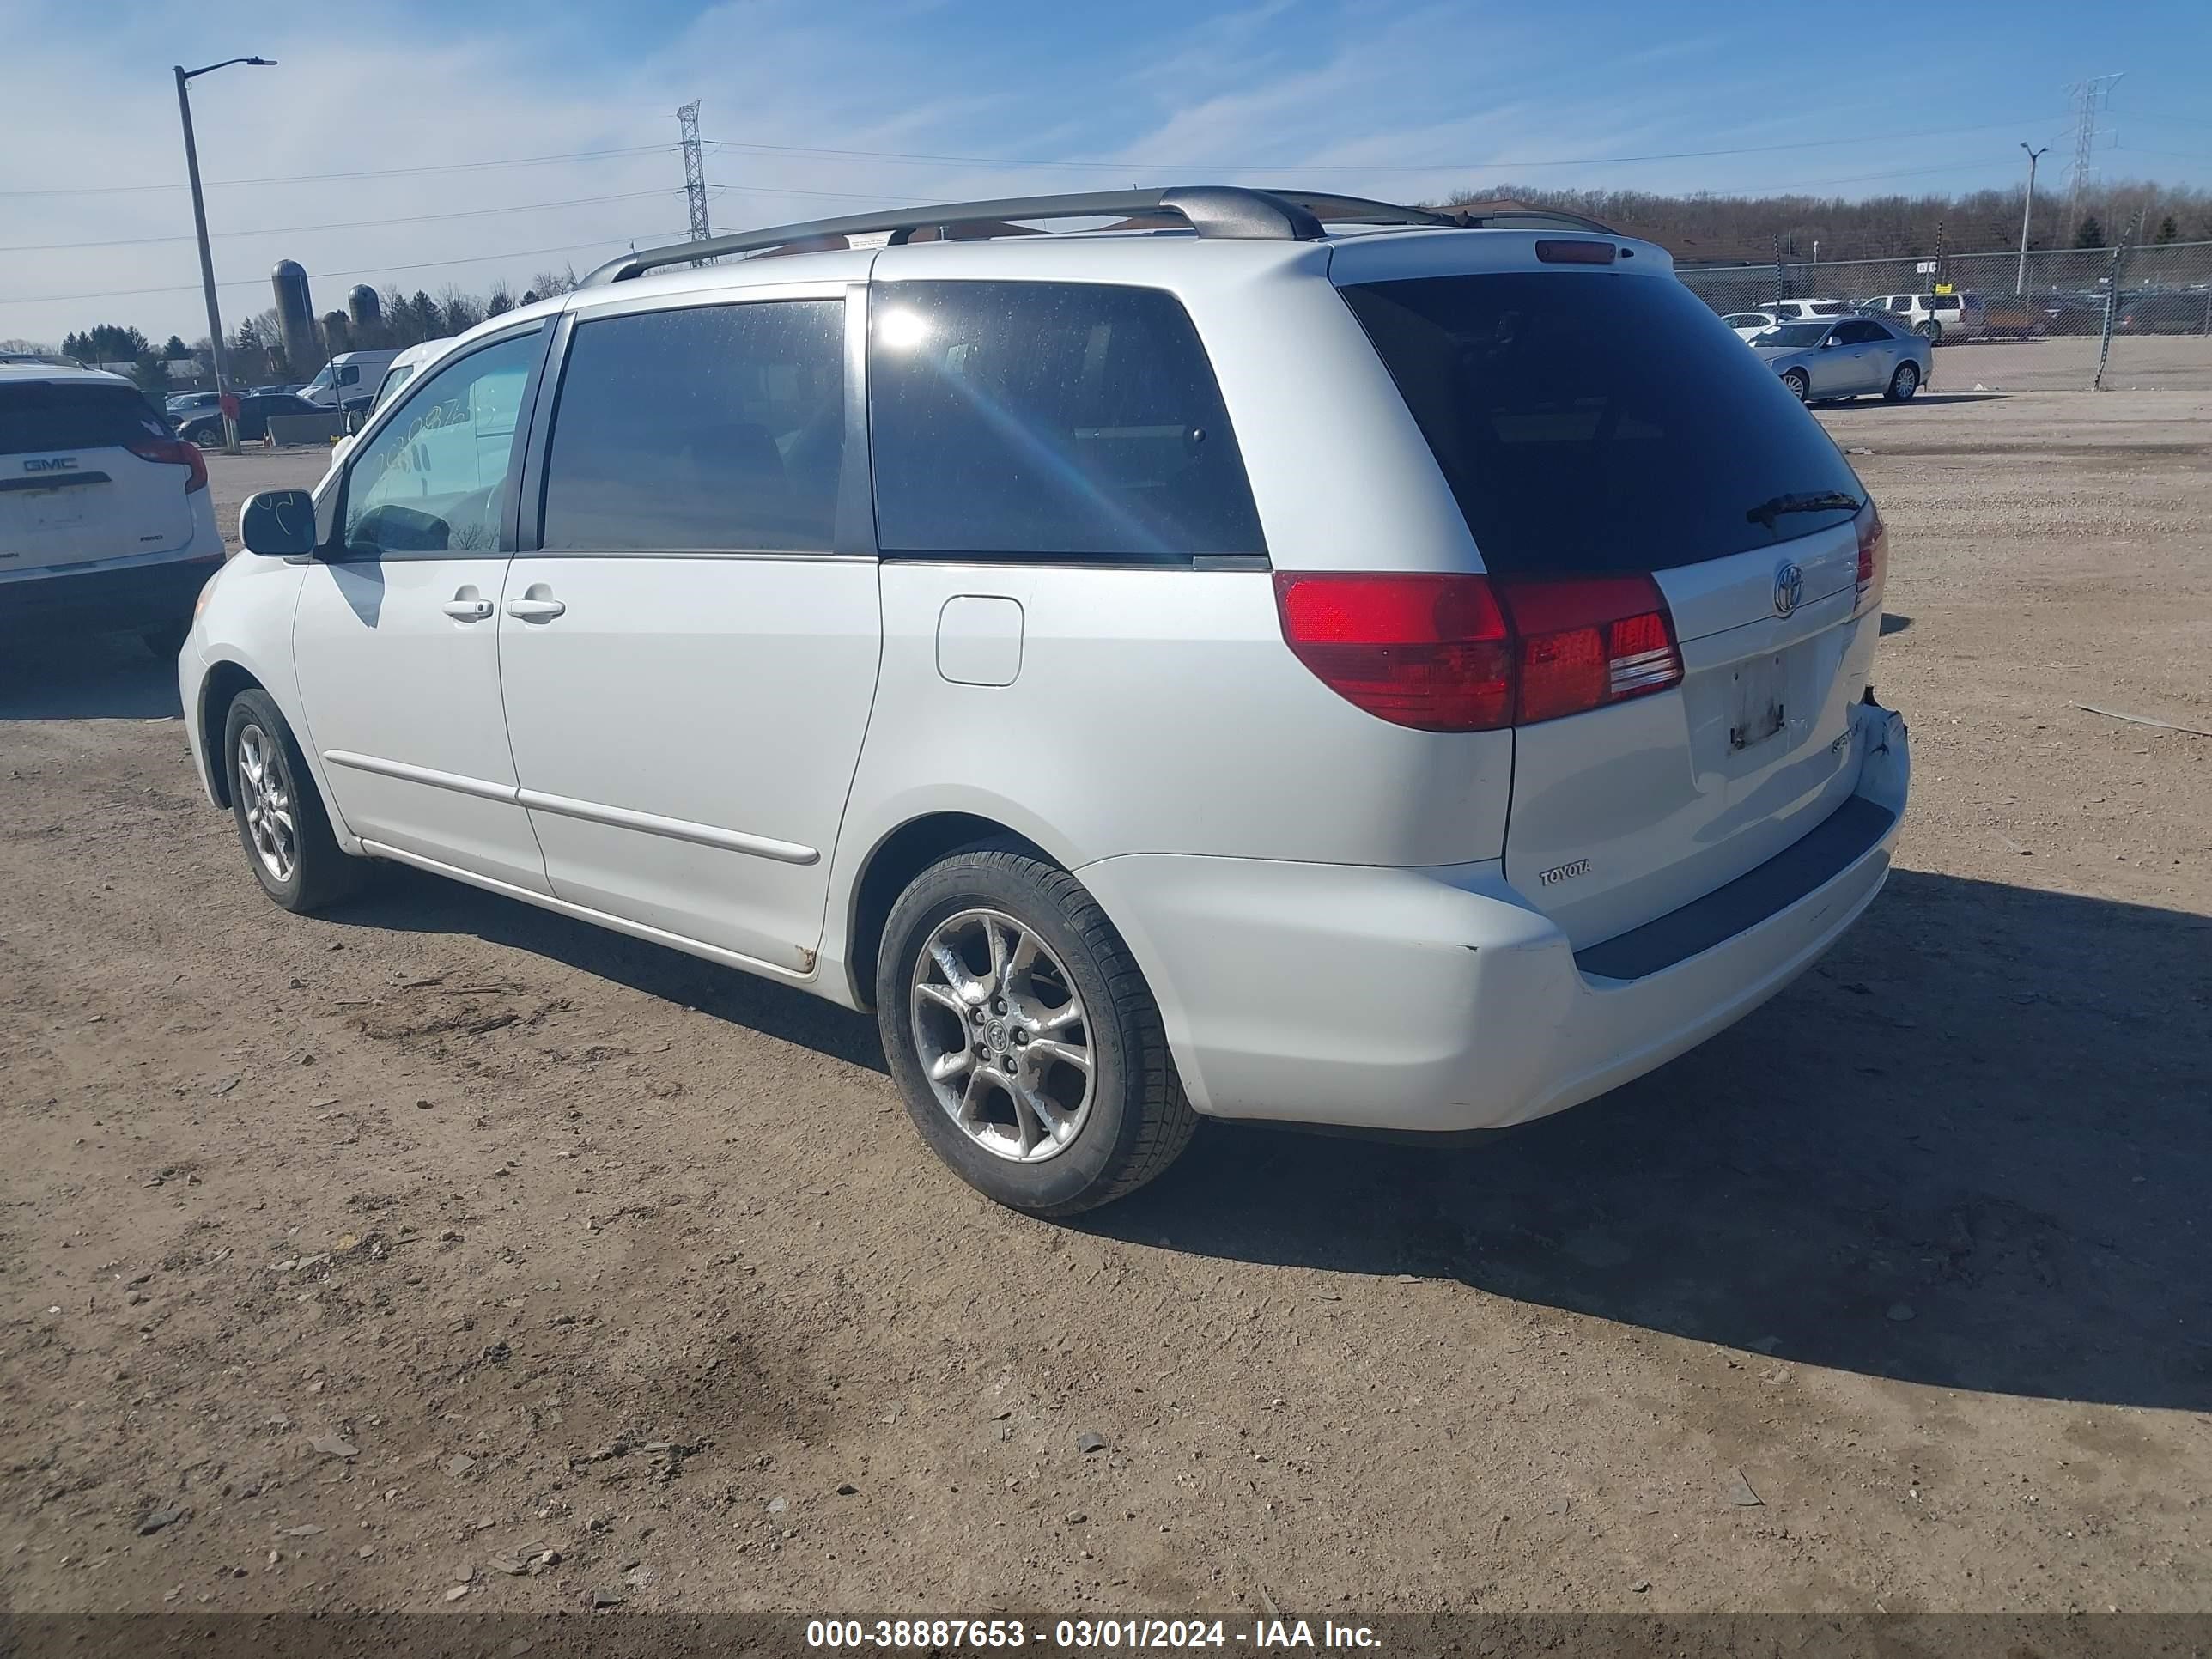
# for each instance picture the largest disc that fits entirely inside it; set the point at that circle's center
(1706, 228)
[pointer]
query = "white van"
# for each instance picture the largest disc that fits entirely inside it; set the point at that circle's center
(402, 369)
(1230, 670)
(349, 381)
(1935, 317)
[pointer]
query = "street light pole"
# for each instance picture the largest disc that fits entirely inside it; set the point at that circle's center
(2019, 278)
(207, 256)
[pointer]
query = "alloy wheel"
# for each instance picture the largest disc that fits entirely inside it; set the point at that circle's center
(1002, 1034)
(264, 785)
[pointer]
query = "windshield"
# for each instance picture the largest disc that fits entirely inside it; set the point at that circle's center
(321, 382)
(1793, 336)
(1601, 423)
(396, 377)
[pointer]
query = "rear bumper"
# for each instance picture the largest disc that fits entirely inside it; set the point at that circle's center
(118, 597)
(1440, 1000)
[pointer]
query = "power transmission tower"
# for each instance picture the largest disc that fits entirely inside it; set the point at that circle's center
(2090, 100)
(695, 174)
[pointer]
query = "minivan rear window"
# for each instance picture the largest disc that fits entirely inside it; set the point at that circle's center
(1599, 421)
(47, 415)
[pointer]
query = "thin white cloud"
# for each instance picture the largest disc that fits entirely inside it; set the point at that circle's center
(1357, 91)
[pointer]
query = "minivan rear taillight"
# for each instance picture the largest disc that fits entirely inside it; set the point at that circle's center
(174, 452)
(1429, 652)
(1873, 559)
(1587, 642)
(1467, 653)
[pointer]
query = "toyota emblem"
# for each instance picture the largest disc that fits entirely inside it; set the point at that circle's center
(1789, 589)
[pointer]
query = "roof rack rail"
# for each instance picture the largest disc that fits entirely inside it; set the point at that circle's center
(1225, 210)
(1209, 209)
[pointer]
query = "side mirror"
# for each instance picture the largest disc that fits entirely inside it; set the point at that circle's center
(354, 419)
(1826, 344)
(278, 524)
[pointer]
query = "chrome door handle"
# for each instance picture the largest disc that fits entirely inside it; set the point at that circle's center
(467, 610)
(535, 609)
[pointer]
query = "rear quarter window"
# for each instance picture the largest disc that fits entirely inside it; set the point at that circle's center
(1058, 421)
(48, 415)
(1598, 422)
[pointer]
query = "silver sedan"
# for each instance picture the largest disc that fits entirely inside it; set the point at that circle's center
(1845, 357)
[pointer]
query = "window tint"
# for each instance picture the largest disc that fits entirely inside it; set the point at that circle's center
(43, 414)
(1598, 422)
(1053, 420)
(432, 479)
(1860, 333)
(721, 427)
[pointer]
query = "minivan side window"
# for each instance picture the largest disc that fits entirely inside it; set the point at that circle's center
(714, 428)
(1049, 421)
(434, 477)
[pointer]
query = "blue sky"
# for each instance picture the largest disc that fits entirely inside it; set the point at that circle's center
(815, 109)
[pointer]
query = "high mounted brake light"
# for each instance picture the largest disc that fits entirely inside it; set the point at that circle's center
(1468, 654)
(1575, 253)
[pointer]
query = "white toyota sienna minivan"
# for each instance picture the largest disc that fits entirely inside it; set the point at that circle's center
(1250, 655)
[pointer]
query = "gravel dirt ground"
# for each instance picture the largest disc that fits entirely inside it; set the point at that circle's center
(446, 1253)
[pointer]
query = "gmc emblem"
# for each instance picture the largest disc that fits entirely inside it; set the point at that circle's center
(51, 463)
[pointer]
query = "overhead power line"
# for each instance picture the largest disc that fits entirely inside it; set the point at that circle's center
(1125, 166)
(368, 173)
(348, 224)
(654, 239)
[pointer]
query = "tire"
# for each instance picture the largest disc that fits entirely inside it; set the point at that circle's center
(318, 873)
(167, 639)
(1065, 1155)
(1799, 386)
(1904, 383)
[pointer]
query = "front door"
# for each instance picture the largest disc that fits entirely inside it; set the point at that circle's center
(690, 656)
(397, 638)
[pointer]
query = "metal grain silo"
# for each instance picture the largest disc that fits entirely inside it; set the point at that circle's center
(367, 312)
(295, 316)
(337, 334)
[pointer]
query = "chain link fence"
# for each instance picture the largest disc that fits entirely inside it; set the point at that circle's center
(2148, 309)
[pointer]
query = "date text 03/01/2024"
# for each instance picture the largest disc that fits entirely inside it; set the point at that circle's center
(1084, 1635)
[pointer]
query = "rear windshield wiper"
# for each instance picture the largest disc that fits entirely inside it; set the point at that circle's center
(1825, 500)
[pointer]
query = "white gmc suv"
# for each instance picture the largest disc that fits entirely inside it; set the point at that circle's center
(1271, 657)
(104, 522)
